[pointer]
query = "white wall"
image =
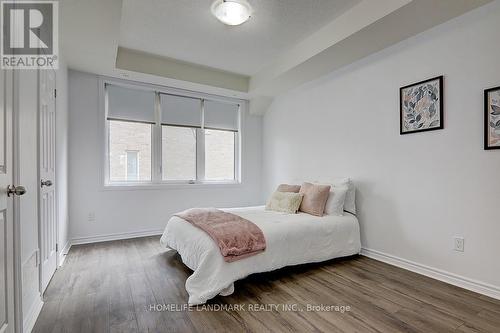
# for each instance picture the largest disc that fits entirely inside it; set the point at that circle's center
(131, 211)
(415, 192)
(62, 161)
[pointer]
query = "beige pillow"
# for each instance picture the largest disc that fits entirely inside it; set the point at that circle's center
(288, 188)
(315, 197)
(285, 202)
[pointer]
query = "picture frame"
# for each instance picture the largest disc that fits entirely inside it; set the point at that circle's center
(421, 106)
(492, 118)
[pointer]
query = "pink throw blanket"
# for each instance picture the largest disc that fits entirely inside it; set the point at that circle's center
(236, 237)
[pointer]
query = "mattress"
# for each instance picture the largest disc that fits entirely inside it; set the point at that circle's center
(291, 239)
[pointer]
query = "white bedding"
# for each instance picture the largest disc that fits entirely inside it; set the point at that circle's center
(291, 239)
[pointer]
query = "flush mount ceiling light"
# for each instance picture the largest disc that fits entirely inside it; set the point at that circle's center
(231, 12)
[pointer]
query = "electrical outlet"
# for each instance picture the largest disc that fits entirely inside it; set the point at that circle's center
(91, 217)
(459, 244)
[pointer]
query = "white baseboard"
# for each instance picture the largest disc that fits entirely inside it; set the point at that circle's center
(30, 317)
(63, 253)
(438, 274)
(111, 237)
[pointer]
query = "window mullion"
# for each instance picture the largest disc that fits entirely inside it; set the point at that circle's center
(236, 153)
(200, 146)
(237, 145)
(156, 144)
(200, 154)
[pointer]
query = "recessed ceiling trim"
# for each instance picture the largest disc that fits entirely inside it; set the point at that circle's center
(409, 20)
(358, 17)
(137, 61)
(346, 39)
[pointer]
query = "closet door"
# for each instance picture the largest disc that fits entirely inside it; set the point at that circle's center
(47, 195)
(8, 193)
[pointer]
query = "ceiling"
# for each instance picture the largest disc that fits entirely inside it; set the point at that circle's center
(187, 30)
(286, 43)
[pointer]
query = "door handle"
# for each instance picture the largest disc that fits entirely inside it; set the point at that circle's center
(45, 183)
(15, 190)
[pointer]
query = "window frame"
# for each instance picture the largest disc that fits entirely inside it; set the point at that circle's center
(157, 181)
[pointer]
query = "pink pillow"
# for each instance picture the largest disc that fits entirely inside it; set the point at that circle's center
(288, 188)
(315, 197)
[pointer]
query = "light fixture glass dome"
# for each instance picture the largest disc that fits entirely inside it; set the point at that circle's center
(231, 12)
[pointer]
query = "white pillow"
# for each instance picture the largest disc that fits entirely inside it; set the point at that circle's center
(335, 203)
(285, 202)
(350, 198)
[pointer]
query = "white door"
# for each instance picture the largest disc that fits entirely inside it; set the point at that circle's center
(6, 205)
(47, 197)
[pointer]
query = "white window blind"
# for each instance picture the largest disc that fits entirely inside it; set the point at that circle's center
(130, 104)
(180, 111)
(222, 116)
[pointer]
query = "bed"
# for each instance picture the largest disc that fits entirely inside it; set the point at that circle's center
(292, 239)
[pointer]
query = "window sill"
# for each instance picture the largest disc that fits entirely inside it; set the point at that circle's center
(168, 186)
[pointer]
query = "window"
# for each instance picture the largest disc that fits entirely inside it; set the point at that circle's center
(219, 155)
(221, 126)
(155, 137)
(178, 153)
(130, 115)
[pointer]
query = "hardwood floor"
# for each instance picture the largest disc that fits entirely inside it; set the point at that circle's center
(110, 287)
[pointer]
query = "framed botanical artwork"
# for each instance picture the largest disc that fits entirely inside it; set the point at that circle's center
(421, 106)
(492, 118)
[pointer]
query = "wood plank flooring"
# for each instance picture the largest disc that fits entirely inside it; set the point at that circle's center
(111, 286)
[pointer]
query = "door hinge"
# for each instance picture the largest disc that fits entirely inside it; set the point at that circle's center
(55, 93)
(57, 247)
